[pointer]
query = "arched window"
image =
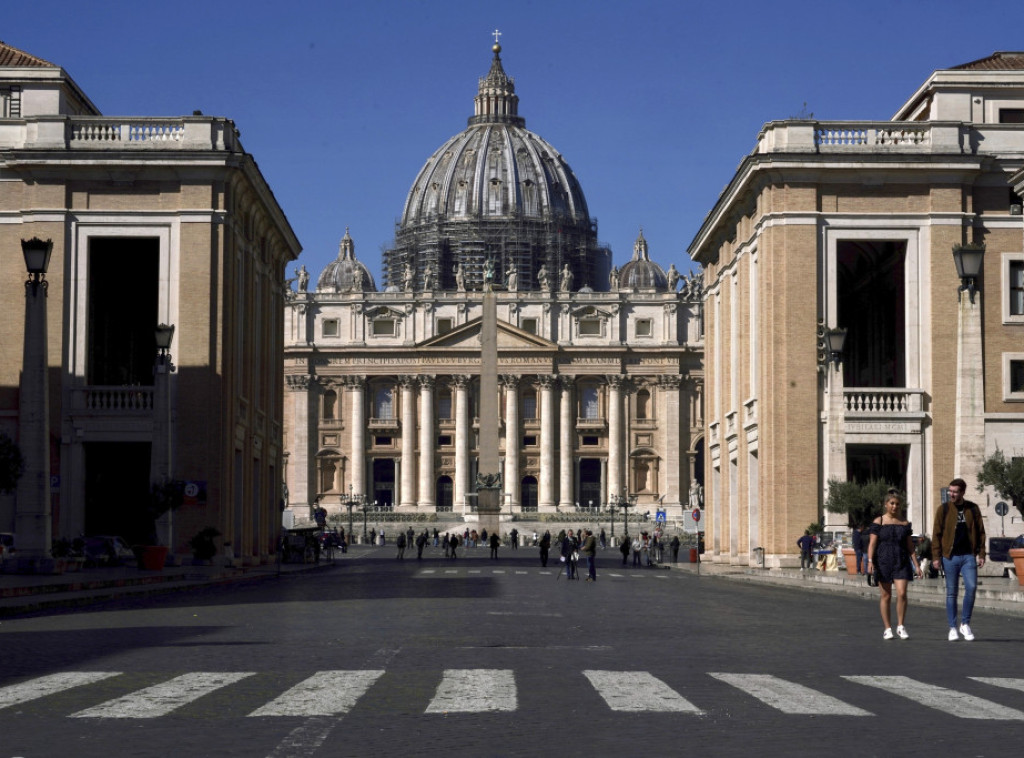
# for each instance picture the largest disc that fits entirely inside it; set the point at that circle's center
(643, 405)
(444, 405)
(383, 403)
(529, 405)
(330, 404)
(590, 407)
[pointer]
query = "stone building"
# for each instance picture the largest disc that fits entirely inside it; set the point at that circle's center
(852, 225)
(153, 221)
(600, 368)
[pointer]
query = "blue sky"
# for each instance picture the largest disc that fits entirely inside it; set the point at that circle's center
(653, 104)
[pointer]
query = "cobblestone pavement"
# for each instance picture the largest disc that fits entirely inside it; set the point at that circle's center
(503, 657)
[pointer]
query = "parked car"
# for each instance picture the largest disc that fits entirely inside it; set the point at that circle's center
(108, 550)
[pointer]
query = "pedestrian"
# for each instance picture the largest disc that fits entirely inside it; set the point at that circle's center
(453, 543)
(514, 539)
(569, 547)
(891, 558)
(373, 537)
(436, 537)
(545, 546)
(445, 543)
(958, 545)
(806, 544)
(589, 550)
(603, 539)
(624, 548)
(858, 548)
(674, 544)
(400, 544)
(495, 542)
(410, 536)
(421, 542)
(638, 546)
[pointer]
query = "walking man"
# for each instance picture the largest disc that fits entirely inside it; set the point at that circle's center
(958, 541)
(589, 549)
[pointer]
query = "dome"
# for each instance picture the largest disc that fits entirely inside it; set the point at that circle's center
(641, 272)
(345, 273)
(496, 191)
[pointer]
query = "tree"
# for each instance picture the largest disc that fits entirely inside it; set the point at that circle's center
(861, 502)
(1006, 477)
(12, 464)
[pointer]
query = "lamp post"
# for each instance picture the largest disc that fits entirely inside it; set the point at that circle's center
(160, 465)
(835, 341)
(968, 259)
(33, 510)
(611, 514)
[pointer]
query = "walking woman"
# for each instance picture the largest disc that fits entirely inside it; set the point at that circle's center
(891, 559)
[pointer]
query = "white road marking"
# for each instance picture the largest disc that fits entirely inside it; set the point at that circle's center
(955, 703)
(1010, 684)
(327, 693)
(637, 691)
(789, 697)
(474, 691)
(428, 571)
(48, 685)
(522, 572)
(306, 738)
(161, 699)
(451, 571)
(617, 576)
(474, 571)
(497, 571)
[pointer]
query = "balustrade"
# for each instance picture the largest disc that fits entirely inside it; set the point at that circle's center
(870, 401)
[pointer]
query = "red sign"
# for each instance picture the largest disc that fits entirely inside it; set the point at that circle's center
(696, 514)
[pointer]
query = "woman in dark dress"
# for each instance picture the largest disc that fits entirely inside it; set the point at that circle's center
(891, 559)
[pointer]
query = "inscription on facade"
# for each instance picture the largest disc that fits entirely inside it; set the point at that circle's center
(889, 427)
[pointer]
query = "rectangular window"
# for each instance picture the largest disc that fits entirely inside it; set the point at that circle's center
(330, 327)
(444, 325)
(643, 327)
(444, 440)
(382, 441)
(1016, 377)
(444, 407)
(590, 327)
(590, 439)
(384, 328)
(530, 407)
(1011, 115)
(590, 408)
(530, 440)
(1013, 377)
(530, 325)
(1016, 284)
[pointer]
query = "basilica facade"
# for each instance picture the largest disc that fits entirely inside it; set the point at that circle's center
(600, 368)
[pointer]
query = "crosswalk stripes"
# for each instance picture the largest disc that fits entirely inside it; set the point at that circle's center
(474, 691)
(329, 694)
(161, 699)
(959, 704)
(51, 684)
(789, 697)
(638, 691)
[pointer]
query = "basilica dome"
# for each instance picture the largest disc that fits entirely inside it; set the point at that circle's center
(640, 272)
(346, 273)
(496, 191)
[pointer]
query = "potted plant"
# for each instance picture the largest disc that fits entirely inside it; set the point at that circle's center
(1006, 477)
(164, 497)
(203, 547)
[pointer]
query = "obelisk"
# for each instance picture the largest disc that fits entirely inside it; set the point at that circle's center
(488, 478)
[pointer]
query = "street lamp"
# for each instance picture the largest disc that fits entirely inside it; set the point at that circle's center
(160, 466)
(611, 513)
(835, 341)
(33, 509)
(968, 259)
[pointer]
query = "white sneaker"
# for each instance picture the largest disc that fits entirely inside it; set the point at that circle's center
(901, 632)
(965, 630)
(953, 636)
(887, 634)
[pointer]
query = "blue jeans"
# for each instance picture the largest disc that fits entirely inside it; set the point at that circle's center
(591, 567)
(955, 567)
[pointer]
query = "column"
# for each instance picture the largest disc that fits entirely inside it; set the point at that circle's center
(356, 386)
(615, 447)
(427, 437)
(546, 499)
(969, 435)
(407, 497)
(512, 439)
(462, 433)
(567, 432)
(675, 440)
(302, 475)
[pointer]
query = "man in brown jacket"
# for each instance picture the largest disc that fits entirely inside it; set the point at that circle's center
(958, 541)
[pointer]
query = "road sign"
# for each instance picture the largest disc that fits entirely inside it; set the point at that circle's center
(659, 517)
(696, 514)
(1001, 508)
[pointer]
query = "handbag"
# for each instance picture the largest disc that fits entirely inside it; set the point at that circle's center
(872, 579)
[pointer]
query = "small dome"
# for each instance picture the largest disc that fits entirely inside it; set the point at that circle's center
(641, 272)
(345, 273)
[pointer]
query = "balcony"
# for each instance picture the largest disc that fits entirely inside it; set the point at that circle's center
(105, 133)
(113, 401)
(879, 403)
(591, 423)
(379, 424)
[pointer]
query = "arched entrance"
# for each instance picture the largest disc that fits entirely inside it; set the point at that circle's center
(590, 482)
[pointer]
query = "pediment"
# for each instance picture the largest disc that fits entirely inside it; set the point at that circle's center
(590, 311)
(509, 338)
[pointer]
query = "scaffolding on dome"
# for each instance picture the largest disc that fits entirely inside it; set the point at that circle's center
(525, 243)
